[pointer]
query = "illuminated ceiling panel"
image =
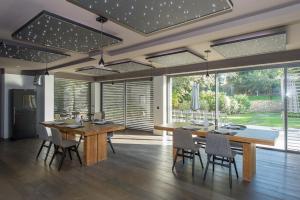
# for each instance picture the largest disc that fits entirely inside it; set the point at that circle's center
(95, 71)
(128, 66)
(9, 49)
(147, 17)
(252, 44)
(175, 58)
(54, 31)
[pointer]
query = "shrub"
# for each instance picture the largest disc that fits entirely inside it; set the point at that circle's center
(243, 102)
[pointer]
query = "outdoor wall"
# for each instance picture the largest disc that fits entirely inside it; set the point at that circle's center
(160, 101)
(12, 81)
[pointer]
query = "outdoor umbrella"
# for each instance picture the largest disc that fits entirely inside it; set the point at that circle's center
(195, 103)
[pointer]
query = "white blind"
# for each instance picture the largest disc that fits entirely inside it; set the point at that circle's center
(129, 103)
(113, 101)
(139, 105)
(71, 96)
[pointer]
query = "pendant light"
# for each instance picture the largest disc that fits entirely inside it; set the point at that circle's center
(102, 20)
(207, 52)
(46, 70)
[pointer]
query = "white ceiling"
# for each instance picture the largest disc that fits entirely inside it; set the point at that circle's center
(247, 16)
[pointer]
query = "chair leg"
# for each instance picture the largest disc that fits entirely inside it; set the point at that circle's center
(206, 168)
(175, 159)
(182, 156)
(236, 171)
(43, 143)
(79, 142)
(193, 167)
(213, 163)
(110, 144)
(230, 176)
(62, 159)
(78, 156)
(54, 154)
(200, 159)
(49, 147)
(70, 155)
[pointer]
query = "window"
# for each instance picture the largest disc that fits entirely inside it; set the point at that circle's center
(129, 103)
(71, 96)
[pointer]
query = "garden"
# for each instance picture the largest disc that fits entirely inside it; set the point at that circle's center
(246, 97)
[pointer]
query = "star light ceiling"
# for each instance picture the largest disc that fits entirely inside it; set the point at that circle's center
(48, 29)
(9, 49)
(252, 43)
(128, 66)
(91, 70)
(175, 57)
(146, 17)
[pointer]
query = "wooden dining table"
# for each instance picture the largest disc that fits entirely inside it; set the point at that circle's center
(95, 138)
(248, 138)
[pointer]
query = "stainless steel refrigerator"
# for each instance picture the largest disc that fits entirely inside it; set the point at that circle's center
(23, 113)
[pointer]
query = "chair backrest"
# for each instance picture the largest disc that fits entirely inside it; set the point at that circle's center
(218, 144)
(183, 139)
(43, 133)
(56, 136)
(99, 115)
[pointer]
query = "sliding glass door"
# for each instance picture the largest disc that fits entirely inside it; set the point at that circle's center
(253, 98)
(293, 108)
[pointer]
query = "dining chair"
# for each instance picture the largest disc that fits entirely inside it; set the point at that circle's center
(218, 147)
(100, 116)
(183, 140)
(44, 136)
(64, 146)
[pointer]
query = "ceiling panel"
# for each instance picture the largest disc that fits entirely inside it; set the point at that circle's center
(252, 44)
(9, 49)
(128, 66)
(48, 29)
(147, 17)
(95, 71)
(176, 58)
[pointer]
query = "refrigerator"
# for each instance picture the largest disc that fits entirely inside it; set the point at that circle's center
(23, 113)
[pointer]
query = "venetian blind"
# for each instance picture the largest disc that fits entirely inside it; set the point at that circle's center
(71, 96)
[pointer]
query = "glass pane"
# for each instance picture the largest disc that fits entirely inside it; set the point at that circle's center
(193, 99)
(293, 109)
(252, 98)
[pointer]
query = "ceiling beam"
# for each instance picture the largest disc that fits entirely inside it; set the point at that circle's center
(226, 64)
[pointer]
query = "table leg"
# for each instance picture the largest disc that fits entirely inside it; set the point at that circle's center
(90, 150)
(249, 161)
(102, 147)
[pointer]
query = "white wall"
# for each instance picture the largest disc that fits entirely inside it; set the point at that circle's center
(160, 101)
(95, 97)
(12, 81)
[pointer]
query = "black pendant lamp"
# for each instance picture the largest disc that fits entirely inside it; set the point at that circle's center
(46, 70)
(102, 20)
(207, 52)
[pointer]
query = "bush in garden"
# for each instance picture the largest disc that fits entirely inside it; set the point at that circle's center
(243, 102)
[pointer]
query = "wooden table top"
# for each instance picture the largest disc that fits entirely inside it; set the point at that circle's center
(256, 136)
(88, 128)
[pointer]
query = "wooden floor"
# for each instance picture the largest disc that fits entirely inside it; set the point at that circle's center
(141, 169)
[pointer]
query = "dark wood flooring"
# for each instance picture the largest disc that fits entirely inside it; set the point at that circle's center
(141, 169)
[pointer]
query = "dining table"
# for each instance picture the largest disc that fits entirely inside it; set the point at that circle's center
(94, 136)
(248, 138)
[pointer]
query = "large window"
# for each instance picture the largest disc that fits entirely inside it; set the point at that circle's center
(71, 97)
(264, 99)
(129, 103)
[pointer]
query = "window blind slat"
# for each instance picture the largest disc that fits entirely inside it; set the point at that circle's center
(71, 96)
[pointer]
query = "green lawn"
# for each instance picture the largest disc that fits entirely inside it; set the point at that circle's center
(263, 119)
(255, 98)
